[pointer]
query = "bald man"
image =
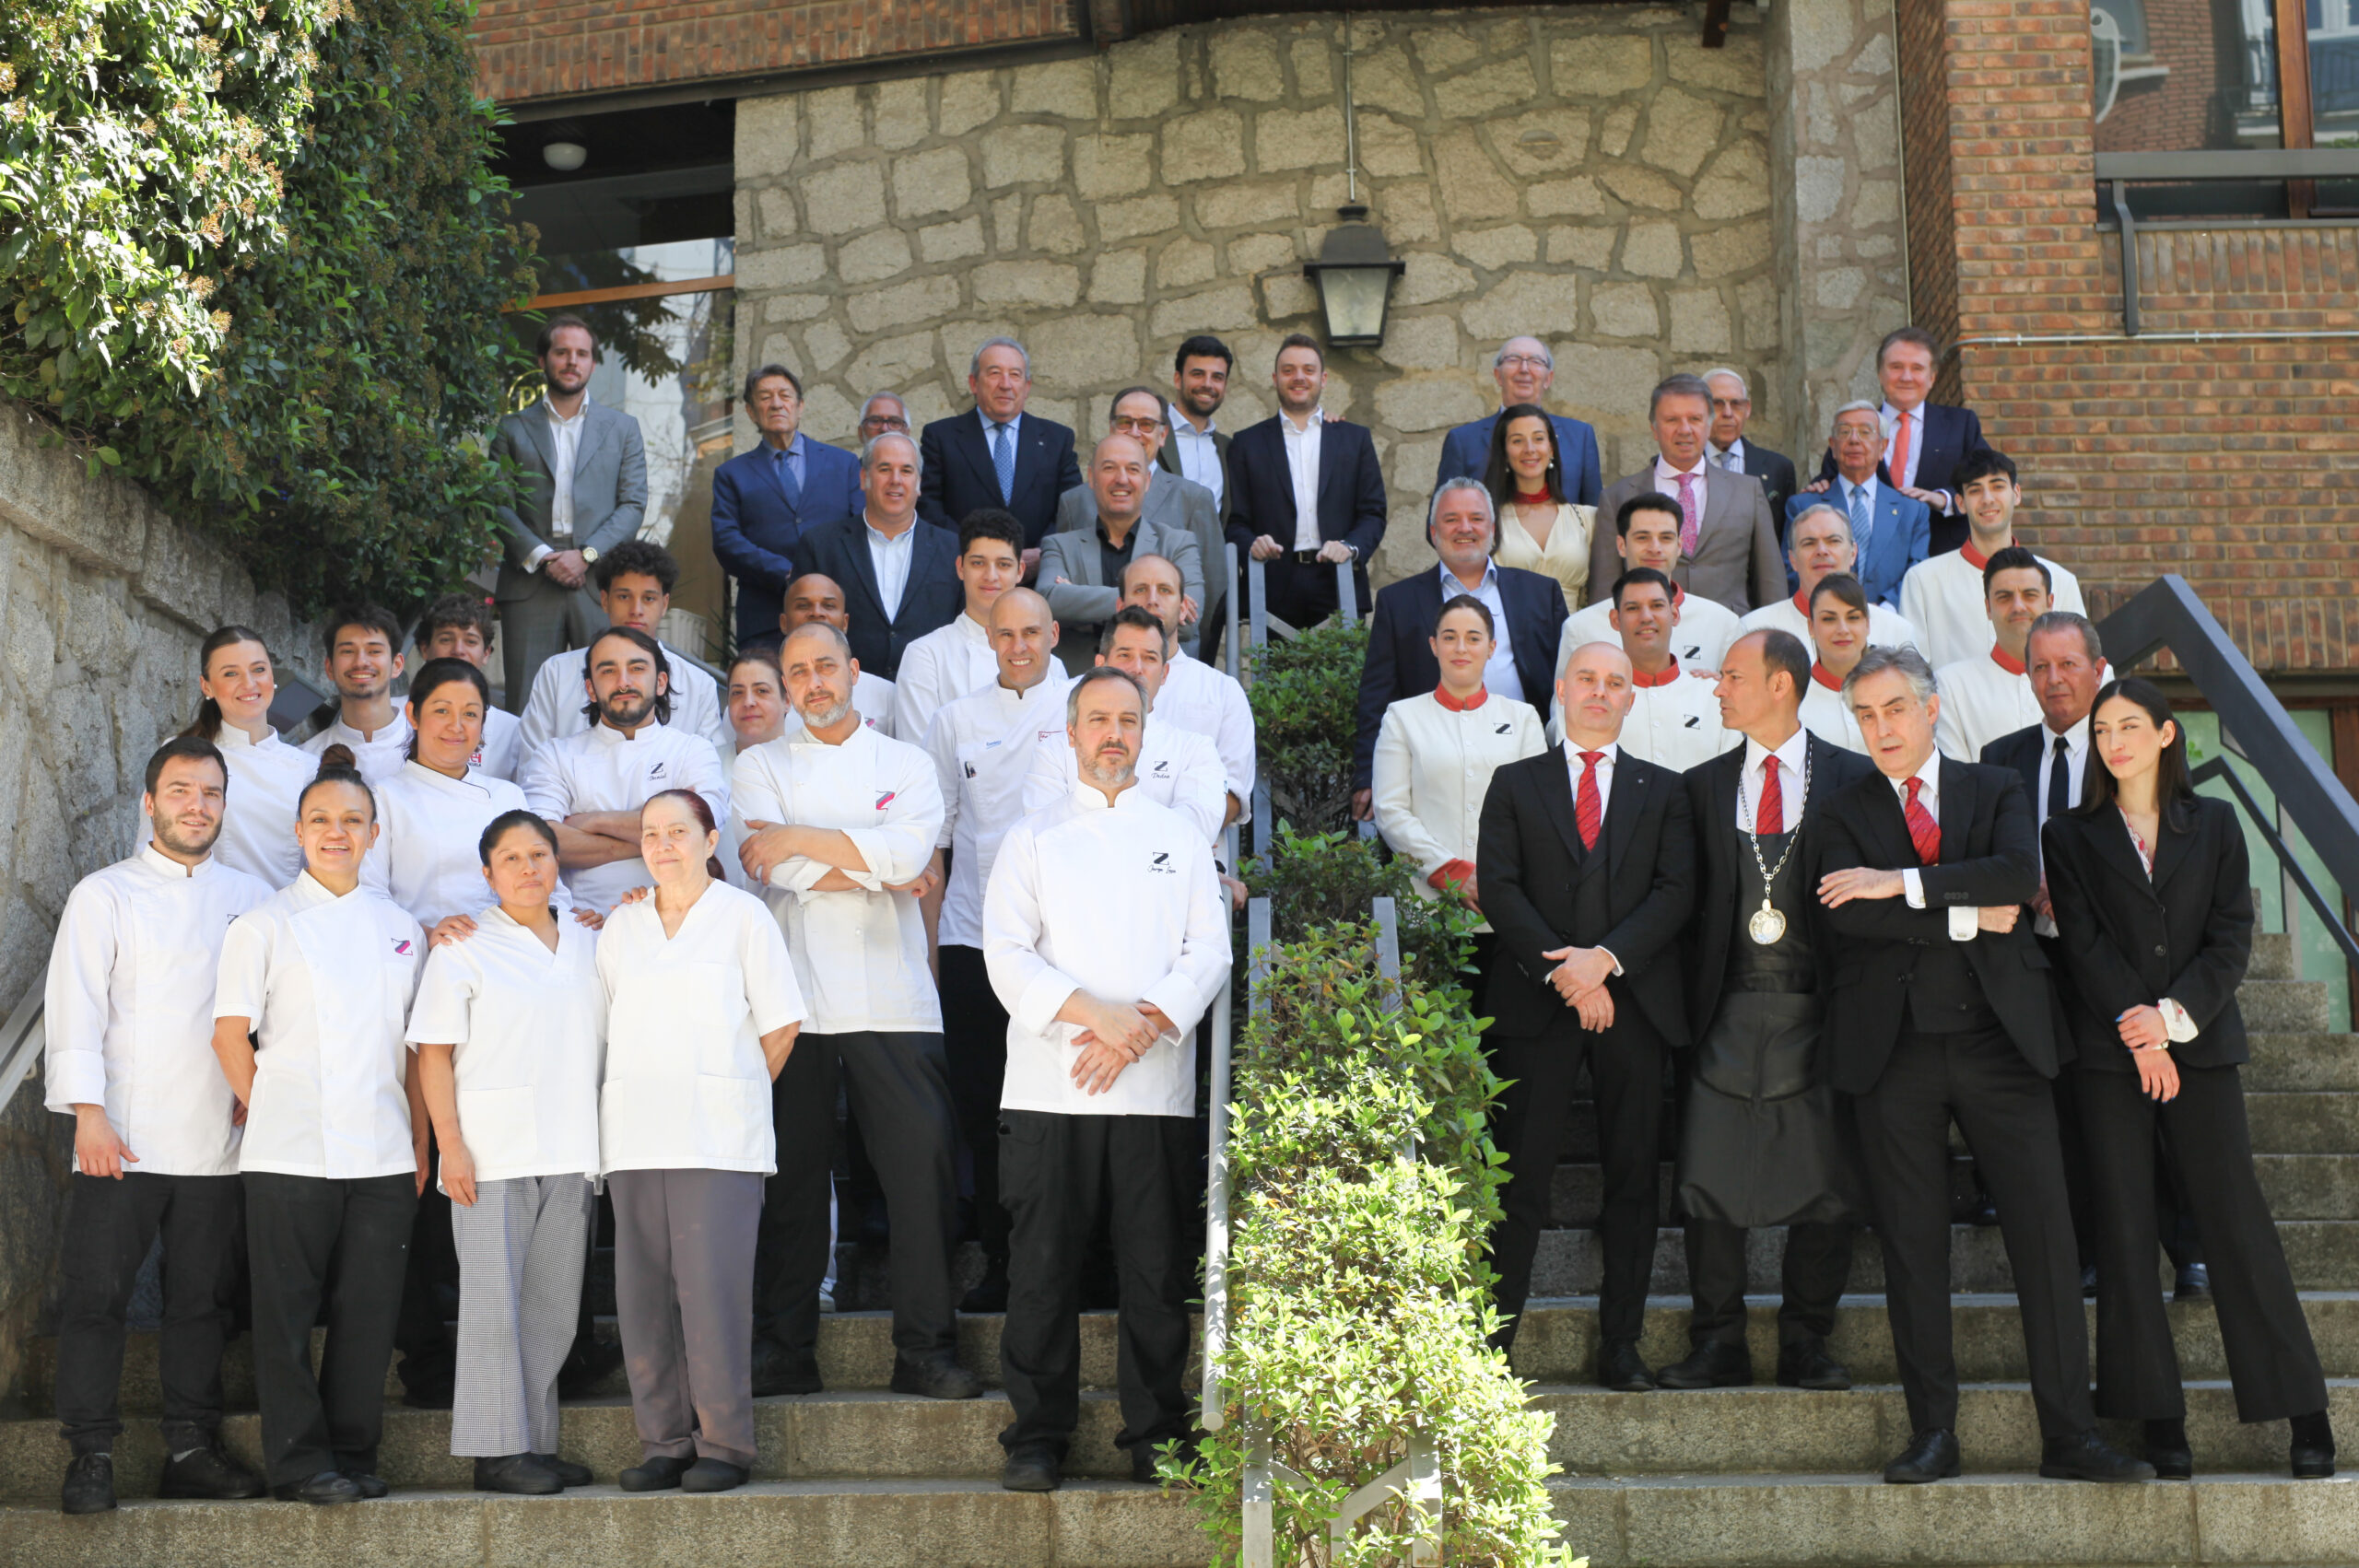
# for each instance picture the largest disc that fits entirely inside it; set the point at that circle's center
(815, 596)
(1587, 862)
(1081, 569)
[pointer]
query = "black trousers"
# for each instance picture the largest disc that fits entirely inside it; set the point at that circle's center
(110, 1225)
(2271, 1358)
(1303, 595)
(345, 1243)
(1060, 1174)
(430, 1354)
(900, 1090)
(974, 1037)
(2008, 1114)
(1817, 1263)
(1625, 1066)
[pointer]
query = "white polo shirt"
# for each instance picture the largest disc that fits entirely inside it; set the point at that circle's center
(428, 856)
(601, 770)
(377, 756)
(937, 670)
(560, 692)
(1207, 699)
(1176, 768)
(983, 746)
(128, 1008)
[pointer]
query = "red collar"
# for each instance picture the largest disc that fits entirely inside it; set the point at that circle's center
(1539, 498)
(1975, 557)
(1452, 705)
(1678, 596)
(1818, 673)
(2012, 666)
(1664, 679)
(1802, 607)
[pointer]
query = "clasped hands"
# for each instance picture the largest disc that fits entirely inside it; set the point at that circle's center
(1838, 888)
(1113, 1035)
(1579, 977)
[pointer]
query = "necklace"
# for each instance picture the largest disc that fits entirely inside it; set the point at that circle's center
(1767, 925)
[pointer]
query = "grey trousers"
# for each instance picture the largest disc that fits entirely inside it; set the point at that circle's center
(683, 1295)
(546, 621)
(521, 1250)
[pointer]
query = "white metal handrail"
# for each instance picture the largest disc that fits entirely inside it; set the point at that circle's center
(21, 1041)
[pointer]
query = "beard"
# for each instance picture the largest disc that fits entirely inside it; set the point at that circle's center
(830, 718)
(1110, 775)
(170, 833)
(626, 710)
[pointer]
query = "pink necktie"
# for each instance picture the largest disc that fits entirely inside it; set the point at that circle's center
(1687, 520)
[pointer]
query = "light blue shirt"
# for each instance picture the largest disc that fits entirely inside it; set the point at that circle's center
(1498, 674)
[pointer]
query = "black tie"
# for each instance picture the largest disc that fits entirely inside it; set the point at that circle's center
(2059, 781)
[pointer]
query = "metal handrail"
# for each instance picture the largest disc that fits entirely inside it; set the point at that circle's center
(2287, 865)
(22, 1039)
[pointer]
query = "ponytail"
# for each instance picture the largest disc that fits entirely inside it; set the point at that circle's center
(207, 725)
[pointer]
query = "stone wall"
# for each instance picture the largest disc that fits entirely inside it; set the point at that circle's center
(107, 601)
(1590, 174)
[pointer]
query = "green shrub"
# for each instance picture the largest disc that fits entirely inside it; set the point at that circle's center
(1305, 695)
(1313, 880)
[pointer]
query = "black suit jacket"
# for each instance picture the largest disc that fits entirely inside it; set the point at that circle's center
(1261, 489)
(933, 597)
(1990, 857)
(1776, 471)
(956, 474)
(2021, 752)
(1711, 802)
(1168, 460)
(2129, 941)
(1401, 658)
(1526, 862)
(1950, 434)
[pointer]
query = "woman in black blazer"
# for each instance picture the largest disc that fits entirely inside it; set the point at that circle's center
(2153, 902)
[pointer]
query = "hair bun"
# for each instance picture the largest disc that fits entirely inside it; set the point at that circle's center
(337, 756)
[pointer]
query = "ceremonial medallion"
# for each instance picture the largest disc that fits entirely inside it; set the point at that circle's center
(1766, 925)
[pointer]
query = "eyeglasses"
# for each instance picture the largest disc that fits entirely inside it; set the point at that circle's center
(1127, 425)
(876, 421)
(1524, 362)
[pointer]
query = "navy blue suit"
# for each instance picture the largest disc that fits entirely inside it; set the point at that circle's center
(929, 601)
(956, 476)
(755, 530)
(1401, 662)
(1466, 451)
(1949, 435)
(1897, 539)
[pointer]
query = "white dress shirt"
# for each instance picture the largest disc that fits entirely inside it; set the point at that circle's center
(1302, 468)
(128, 1008)
(428, 856)
(565, 435)
(1499, 676)
(982, 748)
(1433, 762)
(1791, 759)
(1982, 699)
(1827, 715)
(1120, 901)
(1609, 754)
(937, 670)
(1676, 723)
(378, 756)
(890, 554)
(1176, 768)
(326, 981)
(1700, 641)
(1964, 920)
(2076, 765)
(528, 1028)
(1887, 628)
(859, 955)
(1198, 452)
(873, 698)
(991, 438)
(1207, 699)
(603, 770)
(686, 1086)
(502, 752)
(560, 692)
(1942, 597)
(266, 777)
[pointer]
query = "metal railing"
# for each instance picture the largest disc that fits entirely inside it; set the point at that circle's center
(21, 1040)
(2121, 169)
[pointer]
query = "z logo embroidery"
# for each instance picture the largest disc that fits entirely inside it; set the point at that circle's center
(1502, 728)
(401, 947)
(1162, 864)
(1693, 723)
(885, 799)
(656, 771)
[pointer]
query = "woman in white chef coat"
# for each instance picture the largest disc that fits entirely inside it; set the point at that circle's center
(1838, 635)
(265, 773)
(508, 1027)
(333, 1157)
(1435, 755)
(757, 710)
(702, 1011)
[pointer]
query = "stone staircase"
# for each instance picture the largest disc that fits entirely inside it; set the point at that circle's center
(1765, 1476)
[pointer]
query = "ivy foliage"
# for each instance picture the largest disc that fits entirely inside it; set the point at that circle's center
(252, 255)
(1305, 696)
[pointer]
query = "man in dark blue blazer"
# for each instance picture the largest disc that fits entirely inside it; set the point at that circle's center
(997, 455)
(888, 546)
(1526, 615)
(1926, 442)
(1265, 521)
(1524, 370)
(764, 500)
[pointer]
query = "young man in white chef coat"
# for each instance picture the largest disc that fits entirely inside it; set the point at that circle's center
(1647, 535)
(839, 828)
(1106, 937)
(1943, 594)
(1176, 768)
(635, 581)
(1675, 721)
(1195, 696)
(363, 643)
(1989, 695)
(951, 660)
(129, 1056)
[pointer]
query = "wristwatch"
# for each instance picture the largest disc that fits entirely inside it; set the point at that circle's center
(590, 555)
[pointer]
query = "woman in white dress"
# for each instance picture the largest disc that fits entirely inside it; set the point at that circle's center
(1540, 530)
(1838, 635)
(265, 773)
(702, 1011)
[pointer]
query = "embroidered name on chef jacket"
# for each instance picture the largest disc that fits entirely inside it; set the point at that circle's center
(1161, 865)
(1162, 768)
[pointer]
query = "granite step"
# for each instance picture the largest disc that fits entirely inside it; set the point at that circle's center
(2302, 1061)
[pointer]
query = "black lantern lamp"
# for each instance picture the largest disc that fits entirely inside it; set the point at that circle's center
(1355, 273)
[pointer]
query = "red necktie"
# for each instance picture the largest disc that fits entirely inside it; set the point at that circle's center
(1923, 830)
(1770, 815)
(1587, 815)
(1896, 463)
(1688, 525)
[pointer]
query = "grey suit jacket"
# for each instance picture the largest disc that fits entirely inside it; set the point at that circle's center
(1179, 504)
(1736, 560)
(1167, 461)
(1085, 598)
(609, 487)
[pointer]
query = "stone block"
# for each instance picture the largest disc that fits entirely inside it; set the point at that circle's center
(1491, 249)
(872, 257)
(1208, 145)
(1819, 32)
(968, 98)
(1046, 284)
(47, 492)
(1598, 382)
(1245, 67)
(1226, 309)
(1734, 67)
(1645, 188)
(1429, 277)
(1019, 155)
(1736, 184)
(899, 113)
(1421, 343)
(1285, 295)
(1067, 87)
(936, 180)
(1287, 138)
(182, 575)
(1591, 249)
(1576, 197)
(1758, 312)
(1651, 249)
(1733, 248)
(1390, 149)
(777, 209)
(1082, 350)
(768, 136)
(1007, 223)
(1624, 309)
(1818, 188)
(1117, 278)
(1481, 93)
(1428, 403)
(1682, 130)
(1384, 80)
(786, 267)
(1141, 215)
(1143, 77)
(1441, 51)
(1613, 130)
(1539, 304)
(1314, 71)
(835, 120)
(902, 305)
(1261, 252)
(1108, 164)
(1878, 201)
(1472, 185)
(1055, 227)
(1601, 65)
(1547, 141)
(1875, 140)
(824, 345)
(846, 198)
(1243, 206)
(1183, 263)
(1700, 322)
(1407, 214)
(952, 241)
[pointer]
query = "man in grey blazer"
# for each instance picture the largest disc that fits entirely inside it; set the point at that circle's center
(1081, 568)
(1172, 503)
(584, 492)
(1728, 539)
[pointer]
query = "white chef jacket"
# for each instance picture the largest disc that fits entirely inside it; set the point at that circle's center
(327, 982)
(937, 670)
(502, 752)
(1942, 597)
(860, 957)
(1982, 699)
(429, 856)
(553, 710)
(871, 699)
(1432, 768)
(528, 1029)
(1706, 628)
(602, 770)
(128, 1008)
(1176, 768)
(376, 756)
(266, 777)
(1887, 628)
(1676, 724)
(1826, 713)
(1120, 901)
(981, 746)
(686, 1086)
(1207, 699)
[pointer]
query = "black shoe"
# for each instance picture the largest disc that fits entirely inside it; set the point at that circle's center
(208, 1473)
(1031, 1469)
(713, 1475)
(1805, 1364)
(2167, 1450)
(568, 1473)
(661, 1473)
(2088, 1282)
(593, 1362)
(430, 1388)
(2087, 1457)
(89, 1485)
(2312, 1452)
(779, 1371)
(990, 1294)
(1619, 1368)
(370, 1485)
(325, 1490)
(1146, 1459)
(1930, 1456)
(937, 1378)
(2194, 1284)
(520, 1475)
(1712, 1364)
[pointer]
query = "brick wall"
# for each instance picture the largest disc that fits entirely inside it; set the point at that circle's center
(1925, 168)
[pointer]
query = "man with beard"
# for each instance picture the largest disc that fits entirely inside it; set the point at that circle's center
(130, 1024)
(363, 644)
(1105, 940)
(1168, 500)
(839, 828)
(1309, 492)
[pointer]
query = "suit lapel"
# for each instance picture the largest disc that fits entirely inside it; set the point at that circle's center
(1161, 496)
(1327, 457)
(864, 569)
(775, 471)
(1727, 769)
(969, 431)
(537, 426)
(1554, 781)
(2171, 852)
(1623, 806)
(1896, 850)
(1958, 802)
